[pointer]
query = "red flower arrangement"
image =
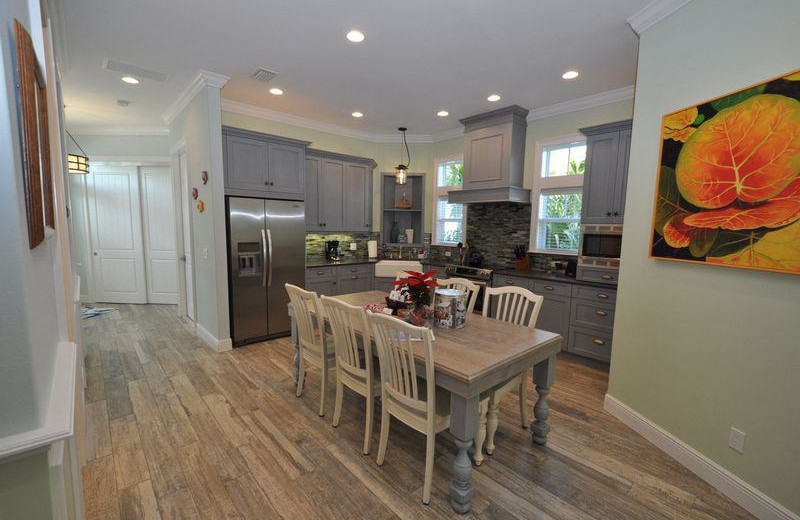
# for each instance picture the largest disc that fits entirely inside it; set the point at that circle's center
(419, 286)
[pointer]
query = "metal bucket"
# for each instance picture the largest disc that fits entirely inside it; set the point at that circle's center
(450, 308)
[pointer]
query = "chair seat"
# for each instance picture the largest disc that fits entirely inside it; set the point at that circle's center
(417, 419)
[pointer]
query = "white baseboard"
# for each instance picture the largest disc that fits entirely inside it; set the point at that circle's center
(219, 345)
(733, 487)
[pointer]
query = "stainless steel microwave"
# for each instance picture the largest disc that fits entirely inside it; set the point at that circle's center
(601, 245)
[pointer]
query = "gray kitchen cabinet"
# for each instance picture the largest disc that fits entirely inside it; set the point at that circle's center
(246, 163)
(286, 168)
(261, 165)
(330, 195)
(605, 180)
(357, 197)
(340, 279)
(555, 315)
(338, 192)
(313, 165)
(590, 343)
(324, 286)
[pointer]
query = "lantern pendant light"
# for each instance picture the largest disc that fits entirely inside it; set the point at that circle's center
(77, 163)
(401, 170)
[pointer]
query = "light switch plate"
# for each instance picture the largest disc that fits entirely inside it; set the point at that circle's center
(736, 440)
(353, 246)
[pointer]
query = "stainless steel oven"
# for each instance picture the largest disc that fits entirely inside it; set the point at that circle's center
(601, 245)
(478, 276)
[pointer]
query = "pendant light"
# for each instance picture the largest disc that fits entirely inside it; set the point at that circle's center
(77, 163)
(401, 170)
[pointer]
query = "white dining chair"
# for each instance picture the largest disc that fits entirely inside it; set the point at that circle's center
(354, 367)
(415, 401)
(517, 306)
(463, 284)
(315, 347)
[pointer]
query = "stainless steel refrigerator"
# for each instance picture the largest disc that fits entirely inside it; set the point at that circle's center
(266, 245)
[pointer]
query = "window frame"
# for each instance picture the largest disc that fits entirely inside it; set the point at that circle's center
(543, 185)
(442, 191)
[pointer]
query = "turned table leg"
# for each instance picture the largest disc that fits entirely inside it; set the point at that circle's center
(463, 425)
(544, 374)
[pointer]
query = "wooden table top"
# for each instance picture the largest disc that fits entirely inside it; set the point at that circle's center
(484, 345)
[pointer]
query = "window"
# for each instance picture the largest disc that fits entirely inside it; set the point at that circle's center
(558, 193)
(449, 224)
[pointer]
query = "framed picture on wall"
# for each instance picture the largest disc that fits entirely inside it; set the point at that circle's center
(37, 176)
(728, 189)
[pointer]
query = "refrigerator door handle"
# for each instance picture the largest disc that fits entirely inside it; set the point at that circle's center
(264, 253)
(269, 245)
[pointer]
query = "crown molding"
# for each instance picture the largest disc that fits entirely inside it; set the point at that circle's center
(595, 100)
(653, 13)
(574, 105)
(119, 130)
(203, 79)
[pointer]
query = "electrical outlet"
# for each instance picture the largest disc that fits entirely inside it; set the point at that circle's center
(736, 440)
(205, 253)
(353, 246)
(447, 254)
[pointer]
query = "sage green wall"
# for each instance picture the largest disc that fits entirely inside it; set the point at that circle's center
(121, 145)
(424, 154)
(698, 349)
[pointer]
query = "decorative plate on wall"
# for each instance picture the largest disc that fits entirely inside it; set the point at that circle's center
(728, 188)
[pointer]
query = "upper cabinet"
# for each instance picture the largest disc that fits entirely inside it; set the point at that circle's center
(494, 156)
(338, 192)
(606, 177)
(261, 165)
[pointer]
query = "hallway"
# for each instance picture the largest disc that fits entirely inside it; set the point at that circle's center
(176, 431)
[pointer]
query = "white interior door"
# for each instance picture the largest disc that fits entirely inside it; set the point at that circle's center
(159, 234)
(116, 222)
(186, 222)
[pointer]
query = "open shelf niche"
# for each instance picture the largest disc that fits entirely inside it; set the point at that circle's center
(412, 217)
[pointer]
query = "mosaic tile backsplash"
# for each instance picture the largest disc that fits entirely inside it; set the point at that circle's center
(315, 243)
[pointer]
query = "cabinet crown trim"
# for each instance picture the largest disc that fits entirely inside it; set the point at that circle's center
(514, 113)
(241, 132)
(313, 152)
(607, 127)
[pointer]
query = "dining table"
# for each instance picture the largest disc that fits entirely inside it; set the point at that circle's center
(469, 362)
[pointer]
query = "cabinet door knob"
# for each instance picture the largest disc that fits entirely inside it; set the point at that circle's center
(548, 287)
(509, 281)
(616, 213)
(601, 313)
(266, 183)
(354, 277)
(607, 277)
(608, 213)
(602, 296)
(598, 341)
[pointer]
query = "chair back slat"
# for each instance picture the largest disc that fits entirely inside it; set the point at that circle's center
(309, 317)
(462, 284)
(350, 335)
(395, 341)
(513, 305)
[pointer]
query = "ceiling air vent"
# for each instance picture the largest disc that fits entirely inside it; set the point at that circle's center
(134, 70)
(263, 75)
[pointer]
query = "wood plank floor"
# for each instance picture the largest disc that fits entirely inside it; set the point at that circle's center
(176, 431)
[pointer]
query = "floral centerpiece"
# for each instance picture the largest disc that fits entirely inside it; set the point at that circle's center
(418, 288)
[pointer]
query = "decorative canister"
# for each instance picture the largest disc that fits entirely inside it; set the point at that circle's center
(450, 308)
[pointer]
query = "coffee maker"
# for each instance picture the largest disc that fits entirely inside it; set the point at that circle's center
(332, 250)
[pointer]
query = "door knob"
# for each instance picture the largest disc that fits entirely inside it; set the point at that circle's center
(94, 253)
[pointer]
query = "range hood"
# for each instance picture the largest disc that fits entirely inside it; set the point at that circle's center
(494, 157)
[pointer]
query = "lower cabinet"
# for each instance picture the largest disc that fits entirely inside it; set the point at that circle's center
(341, 279)
(582, 314)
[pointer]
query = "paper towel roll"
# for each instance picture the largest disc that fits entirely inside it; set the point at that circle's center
(410, 236)
(372, 248)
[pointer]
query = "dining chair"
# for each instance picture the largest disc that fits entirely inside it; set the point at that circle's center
(417, 402)
(517, 306)
(315, 348)
(351, 339)
(463, 284)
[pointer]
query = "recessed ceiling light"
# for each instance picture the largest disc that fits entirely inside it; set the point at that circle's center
(355, 36)
(493, 97)
(571, 74)
(442, 113)
(357, 114)
(275, 91)
(130, 80)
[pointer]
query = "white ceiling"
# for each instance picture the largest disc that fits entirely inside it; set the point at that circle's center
(419, 56)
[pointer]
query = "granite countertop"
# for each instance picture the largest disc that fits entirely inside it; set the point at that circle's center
(321, 261)
(540, 275)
